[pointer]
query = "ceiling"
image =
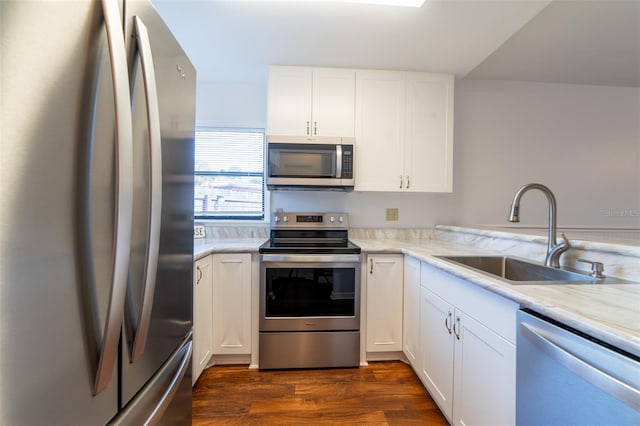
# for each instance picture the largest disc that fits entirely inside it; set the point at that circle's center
(565, 41)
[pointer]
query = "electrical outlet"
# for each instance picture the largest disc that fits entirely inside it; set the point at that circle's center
(198, 231)
(392, 214)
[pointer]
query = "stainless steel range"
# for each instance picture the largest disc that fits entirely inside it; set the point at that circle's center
(309, 293)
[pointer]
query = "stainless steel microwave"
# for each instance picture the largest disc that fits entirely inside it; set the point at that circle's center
(310, 163)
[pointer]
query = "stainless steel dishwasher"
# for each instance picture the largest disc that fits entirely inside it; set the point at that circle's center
(564, 377)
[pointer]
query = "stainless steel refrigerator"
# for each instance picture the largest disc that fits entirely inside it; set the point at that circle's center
(96, 215)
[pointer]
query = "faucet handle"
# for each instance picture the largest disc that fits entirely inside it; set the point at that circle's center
(566, 240)
(597, 268)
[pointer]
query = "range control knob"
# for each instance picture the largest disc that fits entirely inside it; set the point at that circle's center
(276, 218)
(340, 219)
(332, 219)
(285, 219)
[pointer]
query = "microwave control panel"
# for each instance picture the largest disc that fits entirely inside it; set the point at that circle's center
(347, 161)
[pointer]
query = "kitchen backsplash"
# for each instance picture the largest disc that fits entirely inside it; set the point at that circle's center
(401, 234)
(620, 260)
(235, 230)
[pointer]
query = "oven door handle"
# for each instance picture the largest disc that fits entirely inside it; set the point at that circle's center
(342, 258)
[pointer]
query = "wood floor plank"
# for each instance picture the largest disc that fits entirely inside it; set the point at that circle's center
(383, 393)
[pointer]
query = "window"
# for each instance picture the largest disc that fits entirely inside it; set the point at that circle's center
(229, 178)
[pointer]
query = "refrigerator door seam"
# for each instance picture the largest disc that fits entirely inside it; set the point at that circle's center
(124, 195)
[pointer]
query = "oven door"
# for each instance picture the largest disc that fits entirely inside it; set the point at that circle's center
(310, 292)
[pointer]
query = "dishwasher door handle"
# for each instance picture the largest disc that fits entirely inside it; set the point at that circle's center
(609, 384)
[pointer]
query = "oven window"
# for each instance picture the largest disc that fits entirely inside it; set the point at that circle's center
(310, 292)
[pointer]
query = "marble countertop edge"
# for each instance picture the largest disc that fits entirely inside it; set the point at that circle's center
(593, 317)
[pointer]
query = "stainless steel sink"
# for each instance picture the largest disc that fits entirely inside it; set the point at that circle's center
(517, 271)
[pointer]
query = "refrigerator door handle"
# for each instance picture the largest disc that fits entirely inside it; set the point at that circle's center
(173, 387)
(149, 404)
(155, 150)
(123, 196)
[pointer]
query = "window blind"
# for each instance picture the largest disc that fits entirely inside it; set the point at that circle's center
(229, 178)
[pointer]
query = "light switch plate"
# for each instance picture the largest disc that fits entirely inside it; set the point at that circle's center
(198, 231)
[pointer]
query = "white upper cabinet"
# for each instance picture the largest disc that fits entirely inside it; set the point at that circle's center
(428, 161)
(404, 131)
(289, 101)
(380, 112)
(305, 101)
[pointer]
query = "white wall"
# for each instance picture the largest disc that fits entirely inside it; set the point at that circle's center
(231, 104)
(581, 141)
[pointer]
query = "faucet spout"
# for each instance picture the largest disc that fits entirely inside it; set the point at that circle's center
(554, 250)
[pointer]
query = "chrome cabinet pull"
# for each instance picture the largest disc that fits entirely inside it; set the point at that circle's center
(315, 128)
(401, 182)
(308, 128)
(408, 183)
(123, 195)
(456, 328)
(155, 151)
(199, 270)
(447, 322)
(371, 263)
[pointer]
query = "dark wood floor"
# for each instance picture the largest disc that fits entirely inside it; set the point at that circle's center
(384, 393)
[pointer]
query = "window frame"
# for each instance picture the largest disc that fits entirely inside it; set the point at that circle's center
(261, 217)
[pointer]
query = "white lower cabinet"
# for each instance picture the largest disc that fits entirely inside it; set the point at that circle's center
(484, 376)
(437, 349)
(202, 320)
(467, 350)
(411, 310)
(384, 302)
(231, 303)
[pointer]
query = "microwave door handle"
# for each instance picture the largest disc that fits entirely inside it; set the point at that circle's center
(339, 161)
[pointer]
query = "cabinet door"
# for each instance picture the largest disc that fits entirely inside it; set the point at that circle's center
(202, 316)
(429, 132)
(384, 303)
(333, 110)
(380, 110)
(232, 303)
(289, 101)
(411, 311)
(437, 349)
(485, 385)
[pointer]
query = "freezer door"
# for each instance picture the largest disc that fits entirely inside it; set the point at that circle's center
(57, 105)
(156, 322)
(166, 398)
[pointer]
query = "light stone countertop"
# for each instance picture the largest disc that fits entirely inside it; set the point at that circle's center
(204, 247)
(608, 312)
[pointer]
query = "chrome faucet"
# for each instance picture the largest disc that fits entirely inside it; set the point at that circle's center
(554, 250)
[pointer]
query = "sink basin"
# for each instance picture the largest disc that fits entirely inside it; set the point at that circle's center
(518, 271)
